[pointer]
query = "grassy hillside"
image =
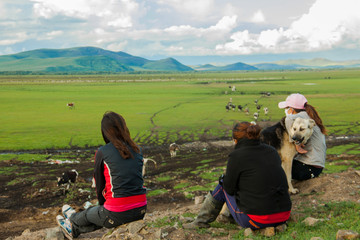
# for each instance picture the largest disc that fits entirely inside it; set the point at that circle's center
(163, 107)
(83, 59)
(168, 64)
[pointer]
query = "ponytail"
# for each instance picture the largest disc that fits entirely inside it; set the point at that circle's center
(313, 114)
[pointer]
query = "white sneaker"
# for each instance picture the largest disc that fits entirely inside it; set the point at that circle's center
(67, 211)
(65, 226)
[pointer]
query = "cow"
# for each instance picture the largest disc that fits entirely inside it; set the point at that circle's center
(71, 105)
(246, 110)
(266, 110)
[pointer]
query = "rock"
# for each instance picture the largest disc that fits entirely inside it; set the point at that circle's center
(54, 234)
(46, 234)
(357, 172)
(186, 219)
(26, 232)
(268, 232)
(281, 228)
(118, 233)
(199, 200)
(136, 237)
(310, 221)
(135, 227)
(293, 234)
(347, 234)
(162, 233)
(249, 232)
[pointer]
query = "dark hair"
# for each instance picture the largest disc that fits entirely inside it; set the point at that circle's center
(114, 130)
(246, 130)
(313, 114)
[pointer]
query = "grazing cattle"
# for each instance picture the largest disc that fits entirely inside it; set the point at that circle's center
(246, 110)
(256, 101)
(67, 178)
(240, 108)
(173, 148)
(146, 160)
(256, 115)
(71, 105)
(233, 88)
(258, 107)
(266, 110)
(266, 94)
(230, 105)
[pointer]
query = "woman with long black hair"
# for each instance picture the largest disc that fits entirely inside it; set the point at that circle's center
(119, 183)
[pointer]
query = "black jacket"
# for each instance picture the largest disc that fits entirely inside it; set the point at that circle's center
(255, 176)
(116, 177)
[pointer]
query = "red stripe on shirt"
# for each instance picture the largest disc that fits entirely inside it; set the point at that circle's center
(125, 203)
(271, 218)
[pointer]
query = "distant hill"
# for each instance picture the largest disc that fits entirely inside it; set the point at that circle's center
(231, 67)
(319, 63)
(168, 63)
(84, 59)
(273, 66)
(94, 60)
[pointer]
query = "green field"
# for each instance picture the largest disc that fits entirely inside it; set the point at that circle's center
(162, 108)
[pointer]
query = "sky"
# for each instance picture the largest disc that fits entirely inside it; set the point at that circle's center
(192, 31)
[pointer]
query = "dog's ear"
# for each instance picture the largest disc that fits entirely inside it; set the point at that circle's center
(311, 123)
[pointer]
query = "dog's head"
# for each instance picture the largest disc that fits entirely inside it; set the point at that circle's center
(301, 130)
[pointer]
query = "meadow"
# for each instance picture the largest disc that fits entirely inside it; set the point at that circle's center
(163, 108)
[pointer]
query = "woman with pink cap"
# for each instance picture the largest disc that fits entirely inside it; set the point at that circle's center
(309, 163)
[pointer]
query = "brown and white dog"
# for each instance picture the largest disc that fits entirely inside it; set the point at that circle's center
(173, 148)
(288, 143)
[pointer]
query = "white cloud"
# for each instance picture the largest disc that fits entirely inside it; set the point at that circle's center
(117, 46)
(111, 13)
(196, 9)
(15, 38)
(223, 26)
(258, 17)
(329, 23)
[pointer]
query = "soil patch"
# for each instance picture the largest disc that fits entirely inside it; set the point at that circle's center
(30, 197)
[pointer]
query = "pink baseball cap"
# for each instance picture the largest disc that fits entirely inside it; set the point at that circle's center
(295, 100)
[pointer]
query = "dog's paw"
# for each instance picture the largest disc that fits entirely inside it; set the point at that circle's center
(294, 190)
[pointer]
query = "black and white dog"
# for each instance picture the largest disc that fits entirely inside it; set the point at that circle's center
(67, 178)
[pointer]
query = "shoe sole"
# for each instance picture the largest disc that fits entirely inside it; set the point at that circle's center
(66, 234)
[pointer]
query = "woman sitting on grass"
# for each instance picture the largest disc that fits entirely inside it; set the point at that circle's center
(310, 161)
(254, 188)
(119, 183)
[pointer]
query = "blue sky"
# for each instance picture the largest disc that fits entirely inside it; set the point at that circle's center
(192, 31)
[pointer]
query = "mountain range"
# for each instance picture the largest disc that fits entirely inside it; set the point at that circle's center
(92, 59)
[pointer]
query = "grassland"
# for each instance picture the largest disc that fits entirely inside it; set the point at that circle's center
(161, 108)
